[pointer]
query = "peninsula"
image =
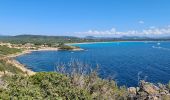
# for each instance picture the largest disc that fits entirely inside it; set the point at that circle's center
(8, 51)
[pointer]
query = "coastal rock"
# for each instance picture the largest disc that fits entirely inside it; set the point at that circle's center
(132, 90)
(141, 95)
(149, 91)
(154, 98)
(149, 88)
(137, 89)
(132, 93)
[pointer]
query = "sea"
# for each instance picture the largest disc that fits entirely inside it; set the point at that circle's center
(125, 62)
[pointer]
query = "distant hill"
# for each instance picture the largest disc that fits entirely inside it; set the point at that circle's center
(134, 37)
(41, 39)
(90, 37)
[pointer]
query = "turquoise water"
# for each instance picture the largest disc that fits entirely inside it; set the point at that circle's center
(125, 62)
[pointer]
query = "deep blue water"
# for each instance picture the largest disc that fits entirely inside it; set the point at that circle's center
(123, 61)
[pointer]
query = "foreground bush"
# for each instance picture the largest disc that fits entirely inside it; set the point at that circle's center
(50, 86)
(75, 83)
(54, 86)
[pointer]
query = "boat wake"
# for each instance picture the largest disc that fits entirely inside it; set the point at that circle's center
(159, 47)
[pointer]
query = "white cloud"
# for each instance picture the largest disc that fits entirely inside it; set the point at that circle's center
(152, 31)
(141, 22)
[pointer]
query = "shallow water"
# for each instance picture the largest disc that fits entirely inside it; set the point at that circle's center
(126, 62)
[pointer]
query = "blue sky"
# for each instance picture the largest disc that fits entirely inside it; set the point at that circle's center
(85, 17)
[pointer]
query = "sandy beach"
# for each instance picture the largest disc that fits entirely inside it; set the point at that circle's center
(11, 59)
(110, 42)
(29, 51)
(17, 64)
(86, 43)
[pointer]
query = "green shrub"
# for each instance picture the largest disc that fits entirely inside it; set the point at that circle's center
(10, 68)
(4, 50)
(50, 86)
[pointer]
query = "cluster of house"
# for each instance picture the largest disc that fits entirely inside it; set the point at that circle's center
(23, 46)
(6, 44)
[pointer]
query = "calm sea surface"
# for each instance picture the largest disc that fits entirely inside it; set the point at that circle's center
(123, 61)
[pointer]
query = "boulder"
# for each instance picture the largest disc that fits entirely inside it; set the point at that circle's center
(149, 88)
(132, 90)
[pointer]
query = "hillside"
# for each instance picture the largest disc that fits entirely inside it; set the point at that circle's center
(39, 39)
(51, 40)
(8, 66)
(4, 50)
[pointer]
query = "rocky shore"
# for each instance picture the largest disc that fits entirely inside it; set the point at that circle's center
(149, 91)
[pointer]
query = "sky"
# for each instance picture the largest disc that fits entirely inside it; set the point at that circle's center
(109, 18)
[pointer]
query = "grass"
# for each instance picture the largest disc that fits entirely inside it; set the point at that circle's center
(4, 66)
(10, 68)
(4, 50)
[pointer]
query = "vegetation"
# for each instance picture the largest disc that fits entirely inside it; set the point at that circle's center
(54, 86)
(62, 46)
(40, 40)
(7, 68)
(76, 83)
(73, 82)
(4, 50)
(53, 40)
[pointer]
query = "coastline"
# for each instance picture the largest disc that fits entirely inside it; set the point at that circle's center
(110, 42)
(30, 51)
(13, 61)
(87, 43)
(42, 49)
(19, 65)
